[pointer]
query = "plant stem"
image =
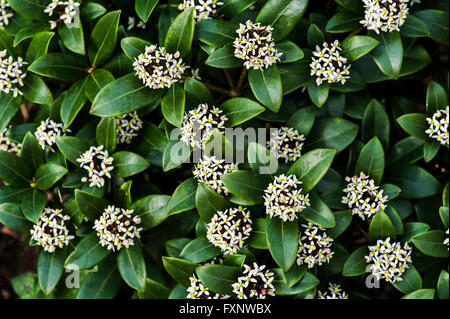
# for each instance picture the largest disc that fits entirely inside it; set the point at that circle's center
(229, 79)
(216, 88)
(241, 79)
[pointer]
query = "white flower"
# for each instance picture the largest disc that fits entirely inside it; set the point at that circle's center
(199, 124)
(51, 232)
(8, 145)
(204, 9)
(229, 229)
(328, 65)
(132, 24)
(209, 170)
(389, 261)
(5, 13)
(314, 246)
(286, 143)
(415, 1)
(255, 46)
(47, 132)
(98, 163)
(334, 292)
(446, 241)
(363, 197)
(159, 69)
(64, 12)
(117, 228)
(11, 74)
(385, 15)
(438, 129)
(254, 284)
(283, 198)
(127, 126)
(198, 291)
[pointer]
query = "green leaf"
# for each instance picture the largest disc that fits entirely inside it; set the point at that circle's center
(303, 120)
(414, 228)
(357, 46)
(261, 160)
(291, 52)
(344, 21)
(30, 31)
(343, 220)
(371, 160)
(375, 123)
(414, 181)
(443, 213)
(87, 253)
(219, 278)
(181, 33)
(38, 46)
(127, 164)
(72, 36)
(388, 55)
(152, 210)
(106, 133)
(430, 150)
(33, 9)
(240, 110)
(315, 36)
(437, 23)
(175, 153)
(246, 185)
(421, 294)
(258, 235)
(183, 198)
(102, 284)
(319, 213)
(151, 143)
(48, 174)
(144, 8)
(32, 151)
(9, 194)
(14, 170)
(442, 286)
(72, 147)
(436, 98)
(92, 10)
(35, 90)
(318, 93)
(356, 264)
(33, 204)
(199, 250)
(282, 15)
(282, 239)
(224, 58)
(197, 93)
(12, 217)
(50, 269)
(96, 81)
(294, 275)
(103, 38)
(208, 202)
(180, 270)
(172, 105)
(60, 66)
(411, 281)
(311, 167)
(90, 205)
(414, 28)
(73, 102)
(124, 195)
(10, 106)
(232, 8)
(131, 264)
(431, 243)
(307, 283)
(133, 46)
(123, 95)
(266, 86)
(215, 33)
(408, 150)
(381, 227)
(414, 124)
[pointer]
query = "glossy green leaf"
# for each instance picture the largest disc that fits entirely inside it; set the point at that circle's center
(282, 239)
(266, 86)
(183, 198)
(127, 164)
(50, 269)
(181, 33)
(131, 264)
(87, 253)
(144, 8)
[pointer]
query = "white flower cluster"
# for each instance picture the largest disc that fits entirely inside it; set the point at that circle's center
(334, 292)
(286, 143)
(255, 283)
(47, 132)
(439, 126)
(11, 74)
(198, 291)
(314, 246)
(363, 197)
(51, 230)
(446, 241)
(389, 261)
(159, 69)
(209, 170)
(229, 229)
(5, 13)
(132, 24)
(255, 46)
(328, 64)
(98, 163)
(199, 124)
(203, 9)
(65, 11)
(127, 126)
(283, 198)
(117, 228)
(385, 15)
(8, 145)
